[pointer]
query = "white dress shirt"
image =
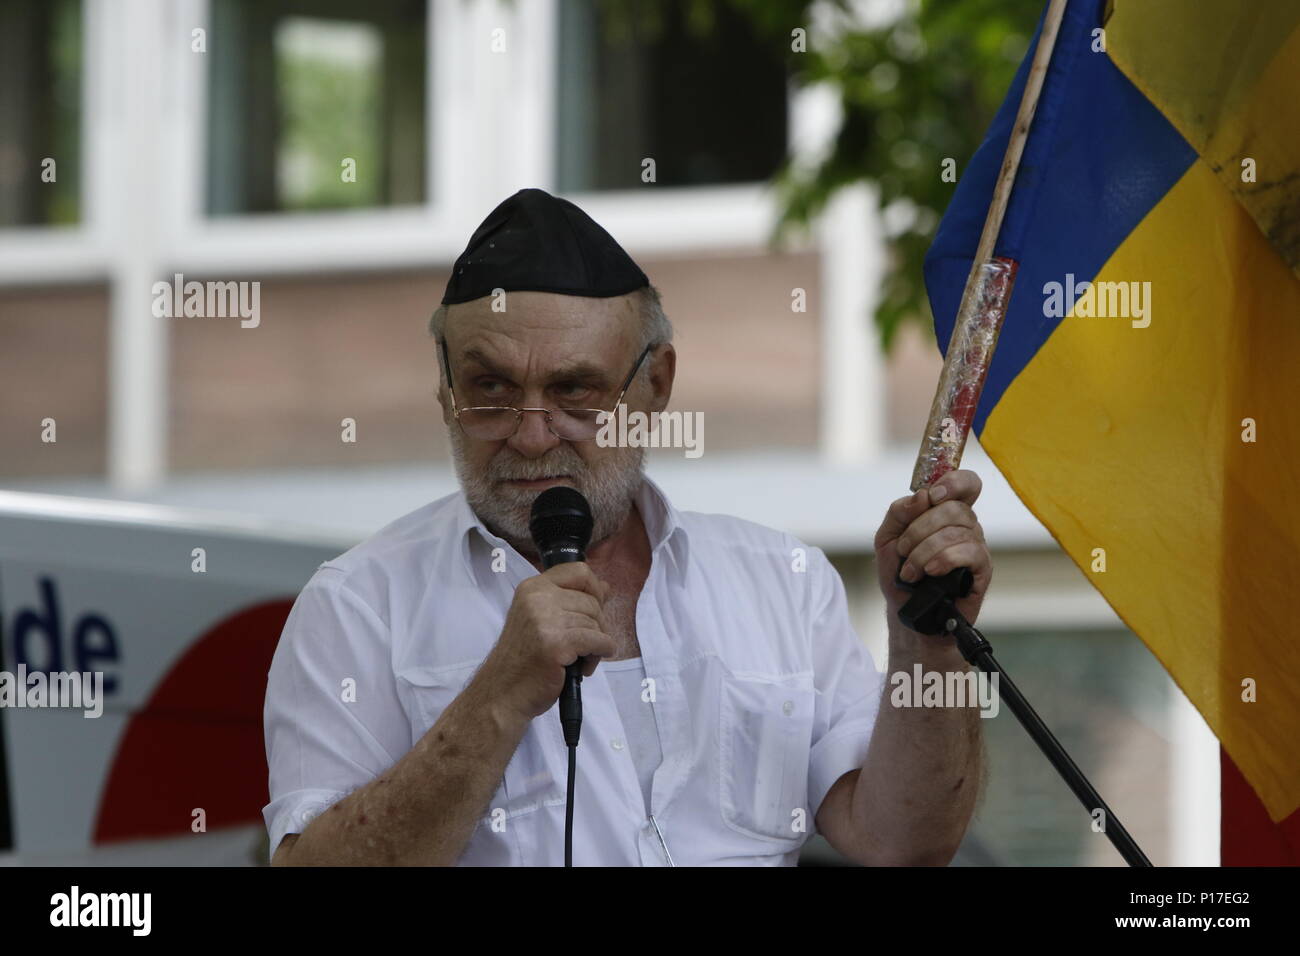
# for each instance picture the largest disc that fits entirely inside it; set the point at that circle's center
(763, 696)
(631, 691)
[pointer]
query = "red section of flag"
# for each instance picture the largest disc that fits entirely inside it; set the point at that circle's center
(1247, 836)
(198, 742)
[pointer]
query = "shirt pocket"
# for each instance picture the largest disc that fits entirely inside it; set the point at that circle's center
(530, 780)
(765, 739)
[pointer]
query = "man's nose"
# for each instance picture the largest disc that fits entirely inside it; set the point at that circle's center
(533, 438)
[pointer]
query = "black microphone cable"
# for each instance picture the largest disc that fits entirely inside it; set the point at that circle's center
(561, 526)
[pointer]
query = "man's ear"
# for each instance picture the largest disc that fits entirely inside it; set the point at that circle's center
(444, 399)
(444, 394)
(663, 370)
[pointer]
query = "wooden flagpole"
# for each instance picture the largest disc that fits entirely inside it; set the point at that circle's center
(984, 300)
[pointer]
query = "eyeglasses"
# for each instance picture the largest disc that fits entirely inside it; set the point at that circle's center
(496, 422)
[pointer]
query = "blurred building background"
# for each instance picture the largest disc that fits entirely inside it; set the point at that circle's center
(140, 139)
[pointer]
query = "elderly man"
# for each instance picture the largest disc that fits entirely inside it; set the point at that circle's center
(730, 710)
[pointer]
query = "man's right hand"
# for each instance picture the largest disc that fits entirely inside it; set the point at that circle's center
(432, 799)
(555, 618)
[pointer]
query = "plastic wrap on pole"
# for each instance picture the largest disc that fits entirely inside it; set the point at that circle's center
(970, 351)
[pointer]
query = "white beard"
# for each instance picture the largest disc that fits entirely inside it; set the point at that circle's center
(609, 487)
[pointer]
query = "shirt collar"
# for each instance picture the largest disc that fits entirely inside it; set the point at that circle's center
(662, 524)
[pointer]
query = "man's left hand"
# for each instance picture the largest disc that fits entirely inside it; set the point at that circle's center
(936, 530)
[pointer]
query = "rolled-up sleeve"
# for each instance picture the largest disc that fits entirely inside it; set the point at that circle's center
(848, 684)
(332, 718)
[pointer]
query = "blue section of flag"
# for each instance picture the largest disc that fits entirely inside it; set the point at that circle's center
(1100, 156)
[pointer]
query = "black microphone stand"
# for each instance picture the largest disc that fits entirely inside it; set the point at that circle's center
(931, 609)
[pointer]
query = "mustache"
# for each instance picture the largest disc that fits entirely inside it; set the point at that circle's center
(531, 469)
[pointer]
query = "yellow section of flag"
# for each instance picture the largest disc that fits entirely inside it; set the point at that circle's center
(1131, 440)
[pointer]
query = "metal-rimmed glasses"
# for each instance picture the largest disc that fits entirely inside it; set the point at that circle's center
(497, 422)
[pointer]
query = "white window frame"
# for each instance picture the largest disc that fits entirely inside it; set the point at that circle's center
(143, 216)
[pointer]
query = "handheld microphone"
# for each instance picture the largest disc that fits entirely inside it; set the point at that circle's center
(561, 525)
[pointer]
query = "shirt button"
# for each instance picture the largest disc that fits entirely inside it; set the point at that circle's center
(787, 708)
(616, 743)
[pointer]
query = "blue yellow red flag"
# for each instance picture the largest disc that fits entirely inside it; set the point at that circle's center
(1142, 398)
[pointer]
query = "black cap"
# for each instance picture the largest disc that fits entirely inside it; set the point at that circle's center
(536, 242)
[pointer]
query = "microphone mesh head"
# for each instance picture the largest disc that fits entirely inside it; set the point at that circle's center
(561, 514)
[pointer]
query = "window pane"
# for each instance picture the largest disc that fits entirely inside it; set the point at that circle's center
(708, 107)
(40, 112)
(316, 104)
(328, 74)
